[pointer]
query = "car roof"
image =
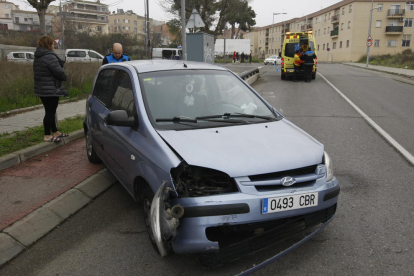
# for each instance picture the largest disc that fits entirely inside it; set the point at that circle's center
(152, 65)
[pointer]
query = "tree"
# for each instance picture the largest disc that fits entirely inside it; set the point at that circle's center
(41, 7)
(215, 13)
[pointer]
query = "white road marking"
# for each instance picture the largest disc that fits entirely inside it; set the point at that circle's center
(382, 132)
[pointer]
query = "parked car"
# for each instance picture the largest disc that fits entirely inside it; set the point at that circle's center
(273, 60)
(20, 57)
(215, 167)
(82, 55)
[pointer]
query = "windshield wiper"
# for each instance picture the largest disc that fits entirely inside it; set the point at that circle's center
(231, 121)
(177, 120)
(236, 115)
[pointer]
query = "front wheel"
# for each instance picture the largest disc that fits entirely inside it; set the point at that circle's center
(146, 201)
(90, 151)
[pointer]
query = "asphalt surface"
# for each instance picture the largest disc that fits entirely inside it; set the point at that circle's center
(370, 235)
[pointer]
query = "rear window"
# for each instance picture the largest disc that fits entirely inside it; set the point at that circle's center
(29, 56)
(290, 48)
(76, 54)
(18, 55)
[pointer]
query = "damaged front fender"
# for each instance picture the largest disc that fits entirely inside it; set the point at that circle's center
(164, 219)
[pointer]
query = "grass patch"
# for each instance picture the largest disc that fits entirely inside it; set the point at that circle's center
(405, 59)
(17, 85)
(19, 140)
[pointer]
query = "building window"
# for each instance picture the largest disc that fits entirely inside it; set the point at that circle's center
(318, 47)
(319, 32)
(379, 7)
(392, 43)
(349, 24)
(324, 30)
(408, 22)
(393, 23)
(327, 46)
(409, 6)
(378, 24)
(25, 20)
(135, 30)
(16, 19)
(126, 21)
(325, 16)
(328, 29)
(350, 8)
(343, 11)
(340, 44)
(320, 19)
(342, 26)
(323, 46)
(376, 43)
(347, 44)
(99, 28)
(116, 21)
(334, 45)
(135, 23)
(7, 15)
(406, 40)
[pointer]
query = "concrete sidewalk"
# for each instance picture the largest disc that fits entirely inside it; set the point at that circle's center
(391, 70)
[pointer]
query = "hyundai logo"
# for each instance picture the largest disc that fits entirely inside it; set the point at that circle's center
(288, 181)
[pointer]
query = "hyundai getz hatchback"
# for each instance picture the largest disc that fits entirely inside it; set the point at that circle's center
(217, 169)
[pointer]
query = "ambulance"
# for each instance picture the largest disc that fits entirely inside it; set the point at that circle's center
(293, 41)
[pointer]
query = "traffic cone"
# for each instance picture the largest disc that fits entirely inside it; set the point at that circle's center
(277, 68)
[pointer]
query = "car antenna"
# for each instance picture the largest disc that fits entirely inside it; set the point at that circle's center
(185, 65)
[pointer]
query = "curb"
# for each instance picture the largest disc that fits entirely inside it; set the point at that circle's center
(20, 156)
(17, 237)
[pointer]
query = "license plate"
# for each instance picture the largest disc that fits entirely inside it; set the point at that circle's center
(290, 70)
(285, 203)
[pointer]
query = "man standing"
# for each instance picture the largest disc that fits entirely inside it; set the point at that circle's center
(116, 55)
(308, 58)
(250, 57)
(298, 62)
(242, 57)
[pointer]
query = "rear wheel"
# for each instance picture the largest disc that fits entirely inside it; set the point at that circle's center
(90, 151)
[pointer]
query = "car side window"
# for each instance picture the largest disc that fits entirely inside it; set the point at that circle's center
(77, 54)
(29, 56)
(102, 90)
(93, 55)
(18, 55)
(123, 98)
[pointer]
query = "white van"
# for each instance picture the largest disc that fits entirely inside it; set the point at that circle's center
(20, 57)
(166, 53)
(83, 55)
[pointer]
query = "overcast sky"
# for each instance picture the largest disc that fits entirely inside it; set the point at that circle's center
(264, 8)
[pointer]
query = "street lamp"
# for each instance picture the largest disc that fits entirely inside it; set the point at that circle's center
(271, 43)
(369, 29)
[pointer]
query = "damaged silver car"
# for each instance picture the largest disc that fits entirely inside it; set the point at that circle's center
(217, 169)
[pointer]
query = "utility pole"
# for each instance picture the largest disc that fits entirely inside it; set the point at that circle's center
(148, 33)
(183, 31)
(369, 30)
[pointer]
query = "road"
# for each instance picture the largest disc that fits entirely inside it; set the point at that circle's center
(370, 235)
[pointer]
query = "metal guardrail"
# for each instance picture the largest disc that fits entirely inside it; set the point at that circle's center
(249, 73)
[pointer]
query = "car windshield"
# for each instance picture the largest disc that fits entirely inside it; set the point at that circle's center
(174, 99)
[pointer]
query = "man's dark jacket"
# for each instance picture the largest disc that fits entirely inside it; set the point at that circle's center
(110, 59)
(48, 74)
(308, 57)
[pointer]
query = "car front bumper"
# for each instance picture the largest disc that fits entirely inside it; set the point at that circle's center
(205, 215)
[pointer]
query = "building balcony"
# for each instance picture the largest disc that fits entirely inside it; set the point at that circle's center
(335, 19)
(394, 30)
(394, 13)
(334, 33)
(87, 20)
(306, 27)
(267, 33)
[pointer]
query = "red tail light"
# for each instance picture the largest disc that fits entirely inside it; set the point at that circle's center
(287, 37)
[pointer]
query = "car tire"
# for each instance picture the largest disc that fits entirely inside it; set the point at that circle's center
(146, 201)
(90, 151)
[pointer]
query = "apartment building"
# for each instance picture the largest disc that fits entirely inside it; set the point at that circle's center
(86, 16)
(341, 30)
(6, 8)
(128, 23)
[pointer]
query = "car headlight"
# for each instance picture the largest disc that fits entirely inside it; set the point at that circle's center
(329, 167)
(193, 181)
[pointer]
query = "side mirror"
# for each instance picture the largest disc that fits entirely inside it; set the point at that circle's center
(119, 118)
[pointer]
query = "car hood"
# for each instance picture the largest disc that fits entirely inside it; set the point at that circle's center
(246, 149)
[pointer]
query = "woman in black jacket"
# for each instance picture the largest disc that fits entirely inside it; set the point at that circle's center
(48, 77)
